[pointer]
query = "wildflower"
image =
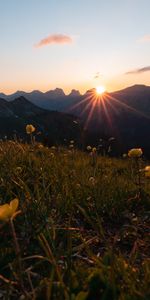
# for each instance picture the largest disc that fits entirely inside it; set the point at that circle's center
(30, 129)
(136, 152)
(111, 139)
(78, 185)
(94, 149)
(69, 152)
(124, 155)
(40, 146)
(71, 146)
(8, 210)
(134, 270)
(89, 148)
(147, 171)
(72, 142)
(19, 169)
(52, 155)
(134, 220)
(92, 180)
(53, 148)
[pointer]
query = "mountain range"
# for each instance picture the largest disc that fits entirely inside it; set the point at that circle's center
(135, 96)
(51, 100)
(51, 126)
(123, 114)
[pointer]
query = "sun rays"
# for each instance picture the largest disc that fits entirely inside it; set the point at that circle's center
(97, 103)
(100, 90)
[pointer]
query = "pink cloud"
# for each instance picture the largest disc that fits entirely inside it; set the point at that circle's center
(145, 38)
(138, 71)
(54, 39)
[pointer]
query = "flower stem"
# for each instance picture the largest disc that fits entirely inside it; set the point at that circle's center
(18, 255)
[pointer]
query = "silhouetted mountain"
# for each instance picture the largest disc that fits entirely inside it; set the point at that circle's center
(54, 127)
(54, 94)
(137, 96)
(5, 110)
(74, 93)
(24, 108)
(51, 100)
(3, 96)
(124, 114)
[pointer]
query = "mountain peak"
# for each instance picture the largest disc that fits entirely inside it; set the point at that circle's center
(21, 100)
(133, 88)
(19, 92)
(36, 92)
(74, 93)
(23, 107)
(91, 91)
(2, 95)
(55, 93)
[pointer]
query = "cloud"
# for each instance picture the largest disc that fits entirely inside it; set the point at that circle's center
(54, 39)
(139, 71)
(144, 39)
(97, 75)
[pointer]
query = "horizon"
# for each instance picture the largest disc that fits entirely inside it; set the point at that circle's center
(44, 45)
(73, 89)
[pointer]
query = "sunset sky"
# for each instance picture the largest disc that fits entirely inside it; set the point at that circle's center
(77, 44)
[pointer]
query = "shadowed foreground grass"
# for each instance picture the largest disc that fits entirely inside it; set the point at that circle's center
(82, 233)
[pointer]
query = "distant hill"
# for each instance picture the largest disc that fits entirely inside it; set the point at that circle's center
(51, 100)
(137, 96)
(51, 126)
(124, 114)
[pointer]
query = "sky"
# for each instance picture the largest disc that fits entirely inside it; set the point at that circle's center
(74, 44)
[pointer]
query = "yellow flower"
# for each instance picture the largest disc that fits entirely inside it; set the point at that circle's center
(147, 171)
(53, 148)
(71, 146)
(94, 149)
(30, 128)
(7, 210)
(19, 169)
(78, 185)
(147, 174)
(136, 152)
(92, 180)
(89, 148)
(40, 146)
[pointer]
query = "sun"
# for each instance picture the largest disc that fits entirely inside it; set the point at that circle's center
(100, 90)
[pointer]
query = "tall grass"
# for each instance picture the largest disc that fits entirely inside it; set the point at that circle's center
(83, 227)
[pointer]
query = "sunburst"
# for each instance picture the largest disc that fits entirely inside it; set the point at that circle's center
(100, 90)
(99, 100)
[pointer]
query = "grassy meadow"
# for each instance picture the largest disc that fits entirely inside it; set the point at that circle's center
(80, 231)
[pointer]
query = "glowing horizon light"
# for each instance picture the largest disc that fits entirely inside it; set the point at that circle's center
(100, 90)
